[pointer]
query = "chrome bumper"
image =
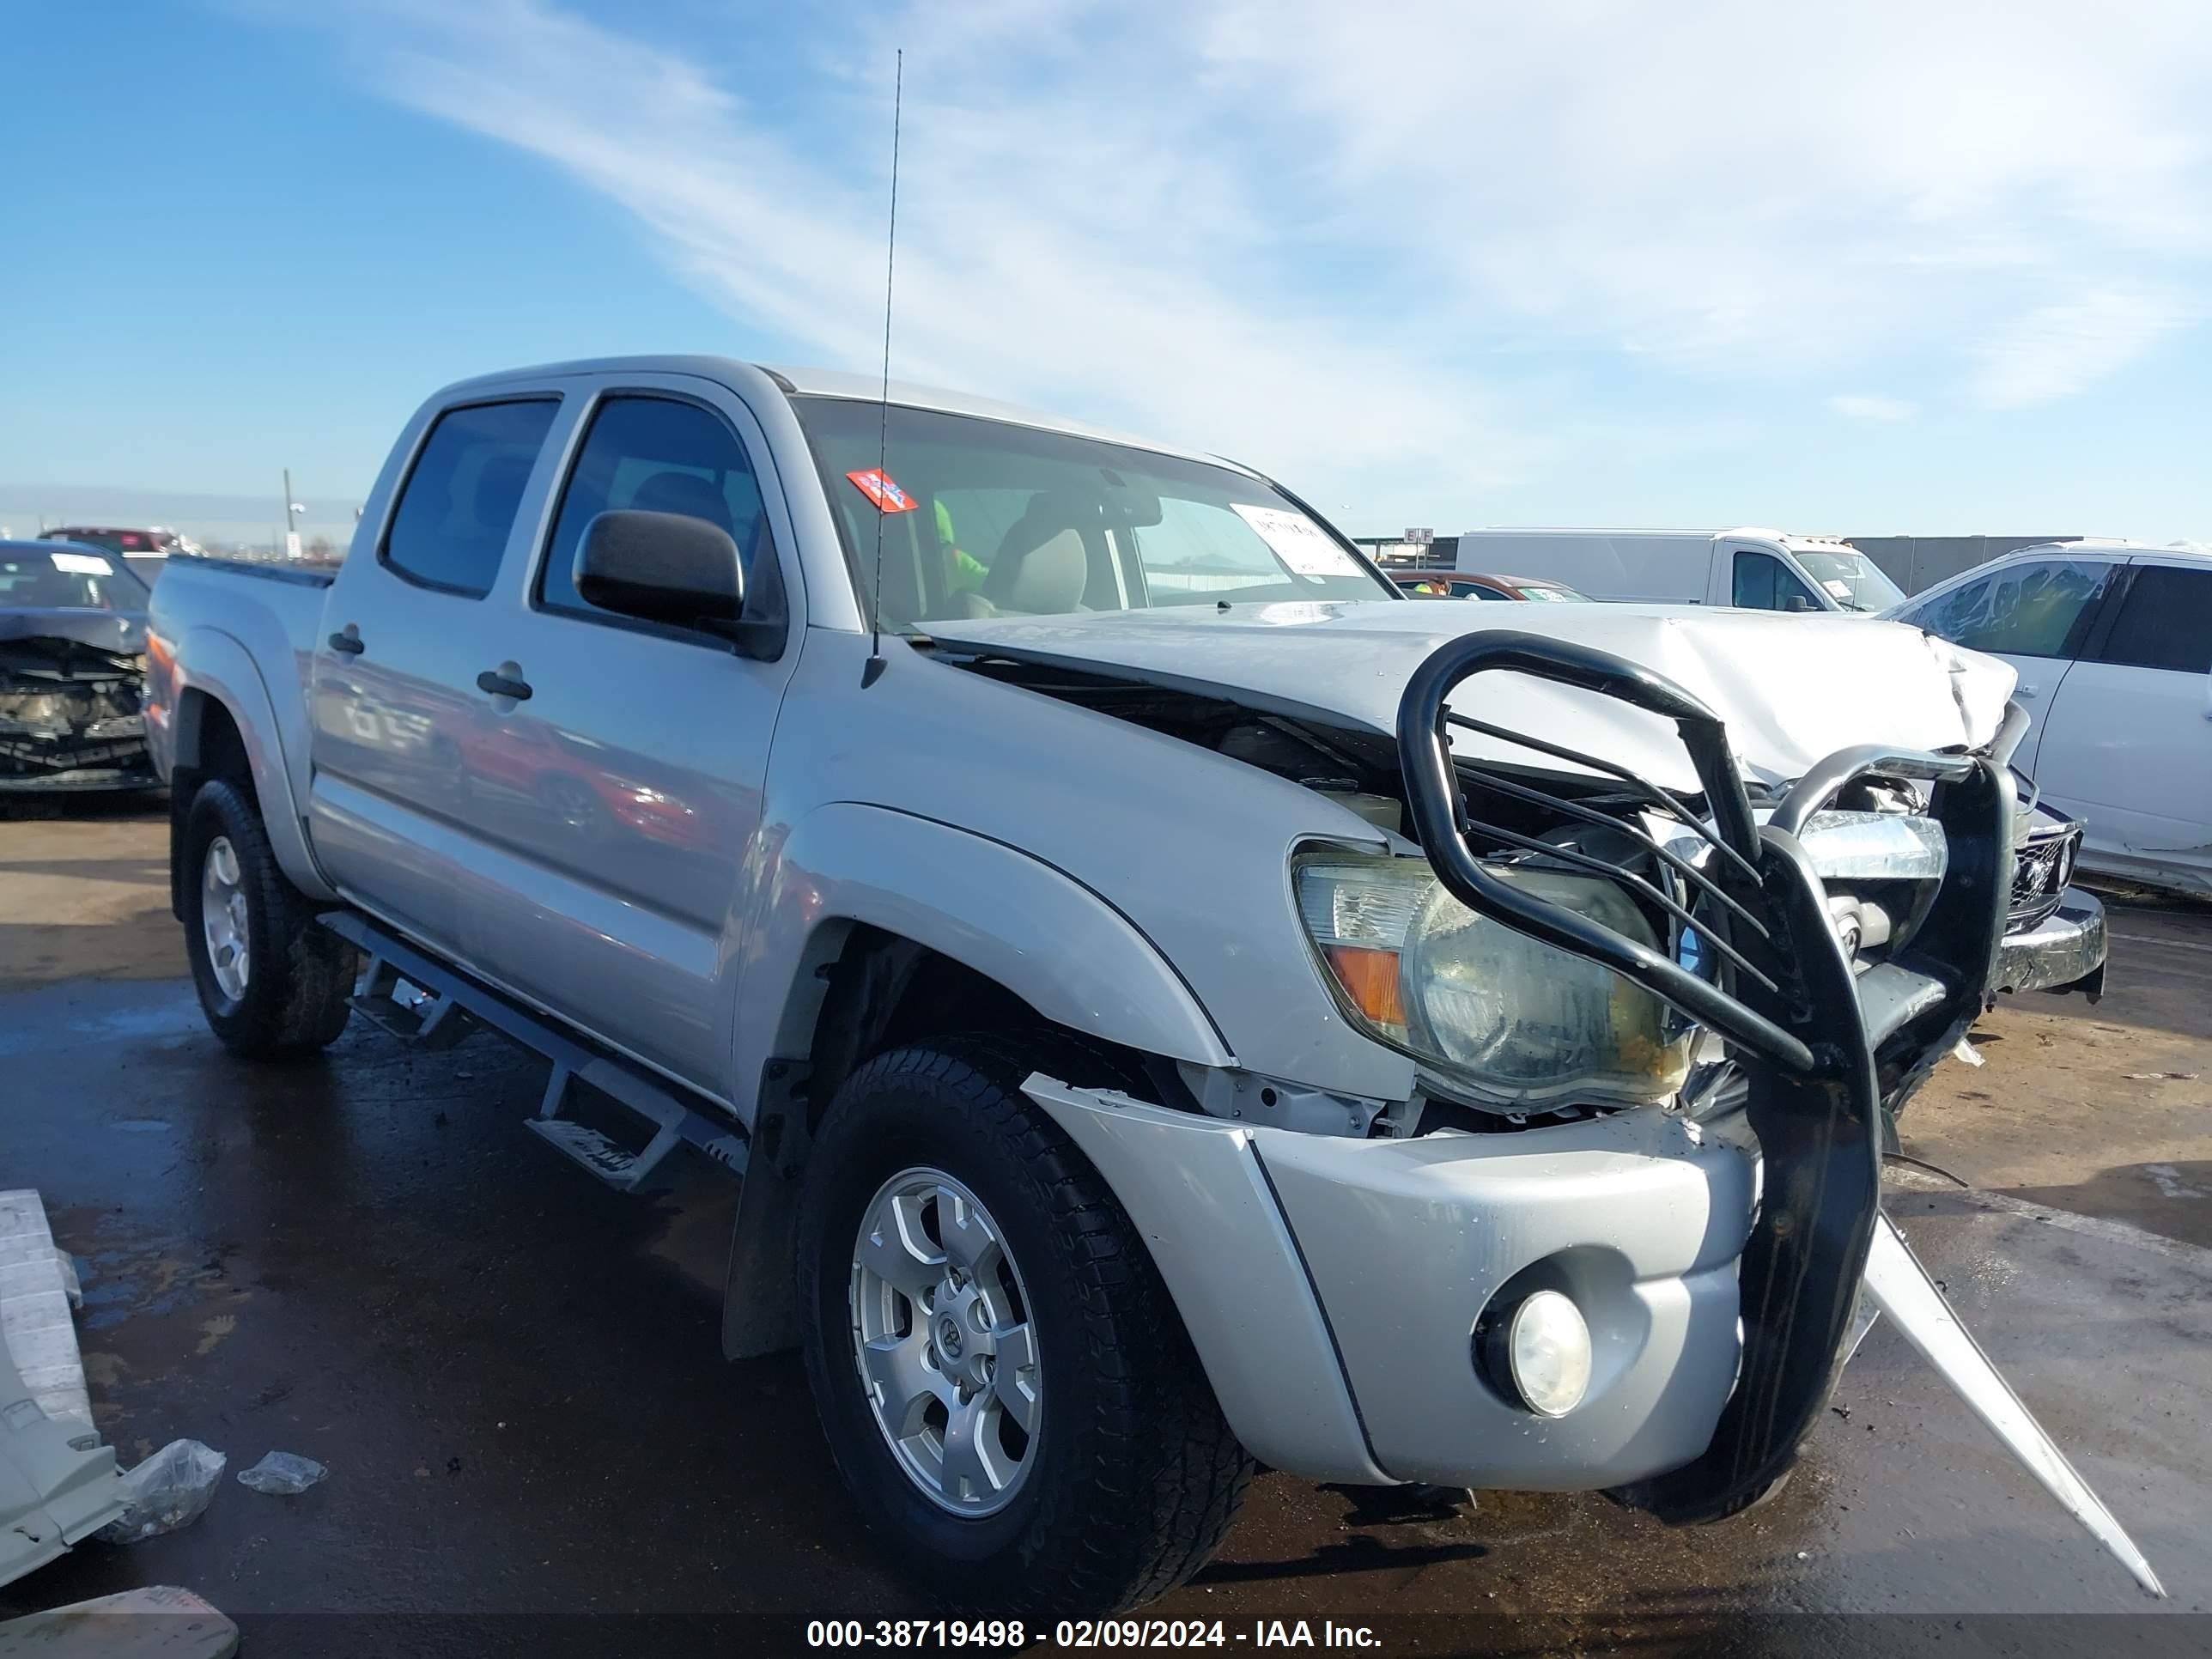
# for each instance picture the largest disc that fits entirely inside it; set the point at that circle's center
(2064, 952)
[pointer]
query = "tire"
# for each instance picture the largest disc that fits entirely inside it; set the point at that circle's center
(1131, 1478)
(286, 995)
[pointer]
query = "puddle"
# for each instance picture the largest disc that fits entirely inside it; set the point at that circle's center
(180, 1019)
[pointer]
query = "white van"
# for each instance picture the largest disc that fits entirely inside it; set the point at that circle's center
(1755, 570)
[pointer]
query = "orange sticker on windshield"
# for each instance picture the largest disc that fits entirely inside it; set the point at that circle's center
(877, 485)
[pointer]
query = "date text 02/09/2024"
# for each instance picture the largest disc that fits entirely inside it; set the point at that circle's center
(924, 1633)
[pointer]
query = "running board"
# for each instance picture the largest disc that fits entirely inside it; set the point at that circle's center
(423, 1002)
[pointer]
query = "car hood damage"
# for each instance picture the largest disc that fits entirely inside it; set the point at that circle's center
(1791, 689)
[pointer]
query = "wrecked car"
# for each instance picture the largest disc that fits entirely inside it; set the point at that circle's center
(72, 670)
(1174, 1004)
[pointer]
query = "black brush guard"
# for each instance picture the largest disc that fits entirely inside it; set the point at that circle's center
(1823, 1049)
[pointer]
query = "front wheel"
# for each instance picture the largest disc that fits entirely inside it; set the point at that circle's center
(1005, 1384)
(272, 981)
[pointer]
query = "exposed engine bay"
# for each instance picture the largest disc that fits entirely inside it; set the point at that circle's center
(71, 716)
(1880, 858)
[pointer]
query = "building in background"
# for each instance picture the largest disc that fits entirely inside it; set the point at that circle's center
(1916, 562)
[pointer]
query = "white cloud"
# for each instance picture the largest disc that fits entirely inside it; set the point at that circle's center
(1867, 406)
(2056, 350)
(1339, 239)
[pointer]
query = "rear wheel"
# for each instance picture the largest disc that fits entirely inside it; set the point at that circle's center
(1004, 1382)
(271, 982)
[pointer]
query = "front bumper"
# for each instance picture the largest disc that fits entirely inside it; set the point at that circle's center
(1331, 1285)
(2064, 952)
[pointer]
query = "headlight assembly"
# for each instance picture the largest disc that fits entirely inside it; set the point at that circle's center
(1511, 1020)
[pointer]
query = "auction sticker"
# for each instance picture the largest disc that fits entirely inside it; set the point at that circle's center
(1297, 541)
(83, 565)
(877, 485)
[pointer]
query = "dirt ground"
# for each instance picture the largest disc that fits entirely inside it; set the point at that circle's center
(515, 1377)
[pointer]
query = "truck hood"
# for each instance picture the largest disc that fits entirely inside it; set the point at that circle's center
(1792, 688)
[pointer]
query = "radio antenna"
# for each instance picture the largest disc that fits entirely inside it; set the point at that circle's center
(872, 670)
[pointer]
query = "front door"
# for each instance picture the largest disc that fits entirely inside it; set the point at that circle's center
(2127, 744)
(618, 804)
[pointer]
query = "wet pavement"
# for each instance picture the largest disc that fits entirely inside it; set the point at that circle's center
(514, 1378)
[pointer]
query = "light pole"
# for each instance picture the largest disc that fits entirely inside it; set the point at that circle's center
(292, 510)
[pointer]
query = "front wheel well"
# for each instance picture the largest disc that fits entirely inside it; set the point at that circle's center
(886, 991)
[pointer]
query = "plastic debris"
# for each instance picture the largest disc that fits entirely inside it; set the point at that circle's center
(169, 1490)
(283, 1474)
(1966, 1054)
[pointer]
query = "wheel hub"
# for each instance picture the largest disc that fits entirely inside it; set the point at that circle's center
(223, 918)
(942, 1340)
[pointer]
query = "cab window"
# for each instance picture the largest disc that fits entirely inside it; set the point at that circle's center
(1761, 583)
(652, 455)
(450, 528)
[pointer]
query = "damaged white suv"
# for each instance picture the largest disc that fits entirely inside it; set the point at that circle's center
(1173, 1001)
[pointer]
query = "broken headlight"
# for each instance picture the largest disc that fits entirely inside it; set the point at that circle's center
(1511, 1020)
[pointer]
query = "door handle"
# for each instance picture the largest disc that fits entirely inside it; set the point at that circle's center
(2027, 691)
(497, 684)
(347, 643)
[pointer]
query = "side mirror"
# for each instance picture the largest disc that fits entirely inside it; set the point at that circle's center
(662, 567)
(1796, 602)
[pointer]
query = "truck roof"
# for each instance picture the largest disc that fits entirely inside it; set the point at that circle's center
(828, 383)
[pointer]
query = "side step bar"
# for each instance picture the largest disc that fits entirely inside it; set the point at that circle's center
(424, 1001)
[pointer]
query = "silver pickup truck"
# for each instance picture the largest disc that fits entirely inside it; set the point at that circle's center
(1175, 1003)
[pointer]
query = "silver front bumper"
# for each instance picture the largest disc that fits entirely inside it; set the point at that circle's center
(2065, 951)
(1331, 1287)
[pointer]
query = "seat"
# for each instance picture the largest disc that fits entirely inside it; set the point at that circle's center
(686, 492)
(1043, 566)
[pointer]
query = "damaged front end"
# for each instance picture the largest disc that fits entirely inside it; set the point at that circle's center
(1810, 1028)
(71, 708)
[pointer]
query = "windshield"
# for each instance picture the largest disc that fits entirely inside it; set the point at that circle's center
(61, 580)
(983, 518)
(1549, 592)
(1851, 580)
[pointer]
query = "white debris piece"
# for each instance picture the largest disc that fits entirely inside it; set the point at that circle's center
(57, 1483)
(38, 1287)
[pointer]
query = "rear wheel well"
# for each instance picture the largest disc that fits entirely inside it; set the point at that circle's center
(209, 746)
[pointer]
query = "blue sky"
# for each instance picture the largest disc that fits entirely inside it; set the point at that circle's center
(1864, 268)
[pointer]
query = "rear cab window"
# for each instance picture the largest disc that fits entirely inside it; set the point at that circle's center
(458, 507)
(2165, 621)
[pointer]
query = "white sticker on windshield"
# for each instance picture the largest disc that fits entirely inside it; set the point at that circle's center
(1299, 541)
(83, 565)
(1837, 590)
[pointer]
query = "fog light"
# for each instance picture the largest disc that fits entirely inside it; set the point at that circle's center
(1547, 1353)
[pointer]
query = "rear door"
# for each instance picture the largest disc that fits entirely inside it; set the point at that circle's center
(396, 708)
(2128, 740)
(2036, 614)
(617, 803)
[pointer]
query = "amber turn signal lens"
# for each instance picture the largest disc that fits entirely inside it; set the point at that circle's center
(1370, 978)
